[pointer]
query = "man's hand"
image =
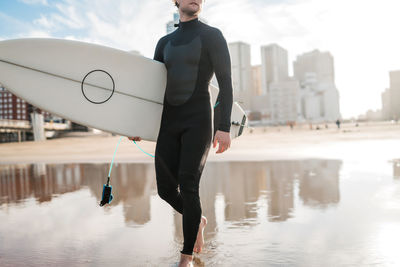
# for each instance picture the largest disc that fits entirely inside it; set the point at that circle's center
(136, 138)
(224, 140)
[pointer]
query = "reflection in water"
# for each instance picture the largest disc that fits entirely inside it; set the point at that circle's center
(131, 184)
(319, 184)
(396, 169)
(236, 197)
(241, 184)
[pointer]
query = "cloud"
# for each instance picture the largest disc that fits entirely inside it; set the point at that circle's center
(35, 2)
(14, 23)
(44, 22)
(36, 34)
(123, 24)
(359, 34)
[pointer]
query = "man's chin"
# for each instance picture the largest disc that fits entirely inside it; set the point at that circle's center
(191, 11)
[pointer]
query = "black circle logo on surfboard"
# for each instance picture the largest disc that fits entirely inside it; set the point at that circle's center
(98, 86)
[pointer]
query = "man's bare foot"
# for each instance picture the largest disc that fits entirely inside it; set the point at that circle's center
(200, 238)
(186, 260)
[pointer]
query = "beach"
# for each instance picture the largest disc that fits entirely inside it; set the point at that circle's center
(328, 197)
(256, 144)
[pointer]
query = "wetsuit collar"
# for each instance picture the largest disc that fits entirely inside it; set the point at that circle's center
(187, 24)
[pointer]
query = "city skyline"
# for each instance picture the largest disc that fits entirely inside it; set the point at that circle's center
(361, 47)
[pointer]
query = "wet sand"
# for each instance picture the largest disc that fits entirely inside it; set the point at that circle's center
(274, 213)
(305, 198)
(261, 143)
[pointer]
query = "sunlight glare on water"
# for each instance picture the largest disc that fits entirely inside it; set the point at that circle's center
(316, 212)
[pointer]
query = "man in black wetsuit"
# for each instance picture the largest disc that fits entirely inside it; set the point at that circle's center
(191, 54)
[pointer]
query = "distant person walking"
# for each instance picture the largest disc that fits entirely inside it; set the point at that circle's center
(338, 123)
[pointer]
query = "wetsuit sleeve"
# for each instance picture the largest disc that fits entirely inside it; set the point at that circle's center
(158, 55)
(221, 61)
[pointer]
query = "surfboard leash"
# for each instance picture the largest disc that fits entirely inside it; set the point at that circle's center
(106, 196)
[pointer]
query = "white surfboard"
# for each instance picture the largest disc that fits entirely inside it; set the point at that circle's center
(93, 85)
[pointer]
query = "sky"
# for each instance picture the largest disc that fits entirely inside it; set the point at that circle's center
(361, 35)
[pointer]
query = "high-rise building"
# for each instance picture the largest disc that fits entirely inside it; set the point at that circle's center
(256, 80)
(282, 91)
(395, 93)
(259, 100)
(319, 96)
(274, 65)
(391, 98)
(283, 101)
(321, 63)
(386, 107)
(241, 73)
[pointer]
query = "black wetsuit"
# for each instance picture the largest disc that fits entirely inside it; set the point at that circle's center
(191, 54)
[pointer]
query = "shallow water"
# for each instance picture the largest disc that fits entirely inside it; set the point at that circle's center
(313, 212)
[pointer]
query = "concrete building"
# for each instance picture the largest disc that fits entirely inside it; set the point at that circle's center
(281, 91)
(274, 65)
(241, 70)
(319, 96)
(311, 106)
(371, 115)
(386, 107)
(256, 80)
(241, 73)
(259, 100)
(391, 98)
(321, 63)
(310, 99)
(284, 100)
(329, 102)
